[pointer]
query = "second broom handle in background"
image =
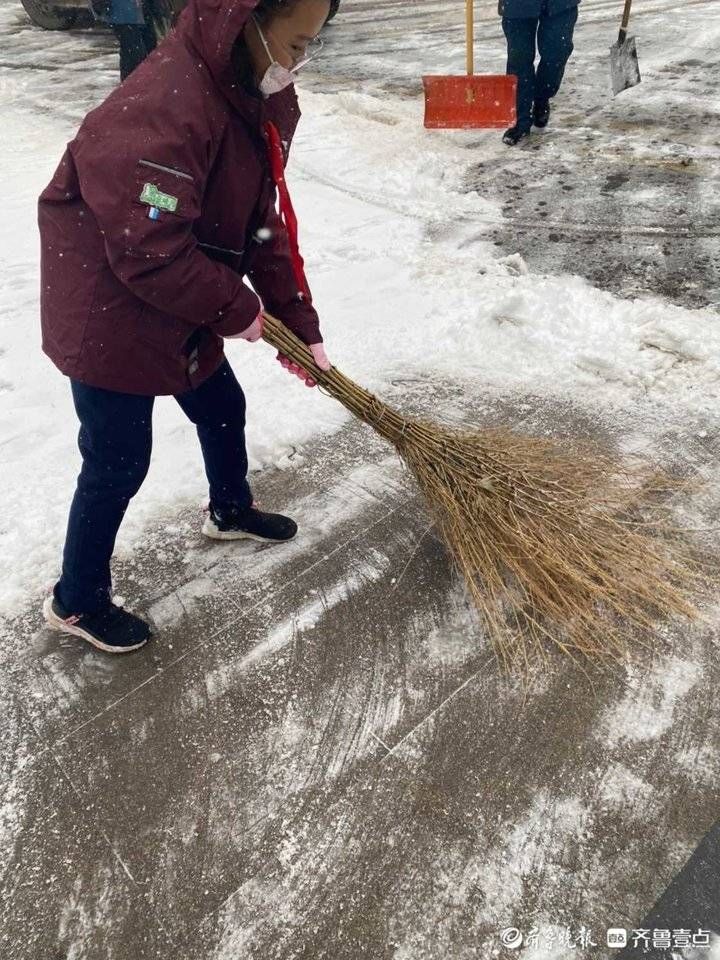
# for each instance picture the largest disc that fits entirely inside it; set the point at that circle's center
(470, 27)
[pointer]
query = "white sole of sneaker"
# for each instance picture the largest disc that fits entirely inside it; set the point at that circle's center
(211, 530)
(54, 621)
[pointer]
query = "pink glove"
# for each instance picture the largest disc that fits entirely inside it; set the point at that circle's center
(253, 333)
(320, 358)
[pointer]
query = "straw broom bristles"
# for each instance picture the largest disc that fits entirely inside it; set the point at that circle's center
(563, 549)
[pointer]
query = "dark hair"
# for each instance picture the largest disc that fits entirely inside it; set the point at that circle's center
(266, 10)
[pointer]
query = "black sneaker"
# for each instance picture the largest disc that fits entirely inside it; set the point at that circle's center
(112, 629)
(514, 135)
(249, 524)
(541, 113)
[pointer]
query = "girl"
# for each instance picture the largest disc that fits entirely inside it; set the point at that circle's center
(160, 206)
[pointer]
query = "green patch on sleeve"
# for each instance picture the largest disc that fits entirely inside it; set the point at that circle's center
(156, 198)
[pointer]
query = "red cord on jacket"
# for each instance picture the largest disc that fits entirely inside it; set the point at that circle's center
(287, 212)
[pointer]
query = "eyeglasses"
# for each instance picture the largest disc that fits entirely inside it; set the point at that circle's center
(311, 51)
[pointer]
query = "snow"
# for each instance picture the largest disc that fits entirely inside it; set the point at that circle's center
(648, 707)
(303, 620)
(623, 790)
(701, 953)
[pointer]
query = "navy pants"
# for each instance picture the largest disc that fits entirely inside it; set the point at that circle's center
(552, 38)
(115, 442)
(136, 41)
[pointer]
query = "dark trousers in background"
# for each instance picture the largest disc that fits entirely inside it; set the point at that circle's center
(115, 442)
(552, 38)
(136, 41)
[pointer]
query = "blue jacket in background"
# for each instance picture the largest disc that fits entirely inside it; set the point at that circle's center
(517, 9)
(118, 12)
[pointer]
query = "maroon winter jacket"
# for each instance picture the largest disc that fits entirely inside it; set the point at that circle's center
(161, 204)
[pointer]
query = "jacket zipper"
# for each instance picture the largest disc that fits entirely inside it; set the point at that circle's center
(210, 246)
(159, 166)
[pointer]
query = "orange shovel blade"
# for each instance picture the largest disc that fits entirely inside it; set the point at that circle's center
(460, 103)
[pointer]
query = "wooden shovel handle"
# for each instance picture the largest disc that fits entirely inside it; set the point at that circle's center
(625, 22)
(470, 25)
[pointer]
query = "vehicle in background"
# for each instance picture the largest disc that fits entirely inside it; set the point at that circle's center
(65, 14)
(58, 14)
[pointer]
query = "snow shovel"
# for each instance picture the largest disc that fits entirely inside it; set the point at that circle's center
(471, 101)
(624, 66)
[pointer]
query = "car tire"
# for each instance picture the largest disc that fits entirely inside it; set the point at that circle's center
(45, 14)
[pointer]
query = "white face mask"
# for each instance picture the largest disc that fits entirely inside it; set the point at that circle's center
(277, 77)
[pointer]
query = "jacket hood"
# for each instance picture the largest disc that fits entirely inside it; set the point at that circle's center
(211, 27)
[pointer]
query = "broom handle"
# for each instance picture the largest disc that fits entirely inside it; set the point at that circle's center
(360, 402)
(470, 29)
(283, 339)
(290, 345)
(388, 422)
(625, 22)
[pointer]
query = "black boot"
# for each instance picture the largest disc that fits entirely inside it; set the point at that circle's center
(541, 113)
(514, 135)
(250, 524)
(111, 629)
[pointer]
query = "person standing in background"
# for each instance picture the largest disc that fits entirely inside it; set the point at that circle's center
(530, 27)
(132, 25)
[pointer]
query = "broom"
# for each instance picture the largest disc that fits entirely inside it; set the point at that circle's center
(570, 550)
(557, 549)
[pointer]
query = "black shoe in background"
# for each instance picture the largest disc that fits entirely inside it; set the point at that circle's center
(111, 629)
(541, 113)
(250, 524)
(514, 135)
